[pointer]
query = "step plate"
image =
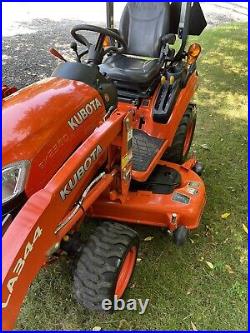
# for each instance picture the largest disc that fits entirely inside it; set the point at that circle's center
(145, 147)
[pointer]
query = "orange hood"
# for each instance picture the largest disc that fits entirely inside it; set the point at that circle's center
(45, 122)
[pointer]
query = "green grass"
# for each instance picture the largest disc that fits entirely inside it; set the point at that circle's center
(180, 285)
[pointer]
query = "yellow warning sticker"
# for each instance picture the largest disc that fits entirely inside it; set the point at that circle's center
(130, 134)
(125, 161)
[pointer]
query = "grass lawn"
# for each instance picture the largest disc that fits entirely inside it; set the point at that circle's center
(184, 291)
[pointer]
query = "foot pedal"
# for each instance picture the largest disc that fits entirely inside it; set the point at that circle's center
(145, 147)
(163, 180)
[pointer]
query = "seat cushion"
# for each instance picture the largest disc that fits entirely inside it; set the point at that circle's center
(128, 69)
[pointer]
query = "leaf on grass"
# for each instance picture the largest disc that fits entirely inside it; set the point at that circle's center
(210, 265)
(123, 322)
(243, 259)
(224, 216)
(191, 240)
(97, 328)
(189, 291)
(139, 259)
(245, 228)
(133, 285)
(148, 239)
(205, 146)
(194, 328)
(229, 269)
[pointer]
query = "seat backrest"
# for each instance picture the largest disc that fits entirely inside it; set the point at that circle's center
(142, 25)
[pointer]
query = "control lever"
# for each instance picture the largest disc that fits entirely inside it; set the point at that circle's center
(56, 54)
(73, 46)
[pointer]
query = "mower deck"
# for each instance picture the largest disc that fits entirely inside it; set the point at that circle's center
(183, 205)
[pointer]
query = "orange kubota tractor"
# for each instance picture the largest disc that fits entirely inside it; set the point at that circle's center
(106, 137)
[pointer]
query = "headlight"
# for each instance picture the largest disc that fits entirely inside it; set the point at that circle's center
(13, 180)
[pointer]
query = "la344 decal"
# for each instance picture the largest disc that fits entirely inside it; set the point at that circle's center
(20, 265)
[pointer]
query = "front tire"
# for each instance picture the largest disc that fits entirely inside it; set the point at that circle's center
(182, 141)
(106, 265)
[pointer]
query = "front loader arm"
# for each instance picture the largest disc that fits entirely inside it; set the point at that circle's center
(33, 234)
(25, 246)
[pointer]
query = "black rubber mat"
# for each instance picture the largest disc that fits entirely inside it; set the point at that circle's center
(145, 147)
(163, 180)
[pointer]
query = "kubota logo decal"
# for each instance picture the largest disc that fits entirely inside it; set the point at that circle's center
(80, 172)
(84, 113)
(20, 265)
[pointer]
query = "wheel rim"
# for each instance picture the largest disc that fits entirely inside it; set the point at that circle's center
(125, 272)
(187, 142)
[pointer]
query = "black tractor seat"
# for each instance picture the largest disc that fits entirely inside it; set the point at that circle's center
(131, 69)
(142, 26)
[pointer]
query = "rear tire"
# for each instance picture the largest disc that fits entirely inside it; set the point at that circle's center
(106, 265)
(182, 141)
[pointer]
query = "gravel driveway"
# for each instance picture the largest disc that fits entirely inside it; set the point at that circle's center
(25, 55)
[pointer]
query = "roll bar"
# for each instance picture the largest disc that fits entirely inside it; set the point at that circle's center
(110, 14)
(183, 29)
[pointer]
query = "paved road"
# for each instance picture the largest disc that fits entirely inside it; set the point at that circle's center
(30, 29)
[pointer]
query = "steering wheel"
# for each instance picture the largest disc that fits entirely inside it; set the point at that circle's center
(103, 32)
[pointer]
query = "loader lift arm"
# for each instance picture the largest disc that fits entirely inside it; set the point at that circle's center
(35, 228)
